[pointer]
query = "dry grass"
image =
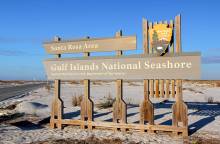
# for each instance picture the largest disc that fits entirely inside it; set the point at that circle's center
(76, 100)
(107, 102)
(74, 82)
(48, 87)
(210, 99)
(217, 84)
(132, 83)
(193, 90)
(212, 83)
(9, 82)
(97, 82)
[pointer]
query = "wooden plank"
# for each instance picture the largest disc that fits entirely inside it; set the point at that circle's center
(125, 67)
(157, 88)
(145, 36)
(105, 125)
(161, 82)
(167, 91)
(173, 91)
(91, 45)
(86, 104)
(171, 49)
(151, 51)
(119, 106)
(180, 110)
(156, 81)
(152, 88)
(162, 88)
(146, 107)
(57, 104)
(178, 34)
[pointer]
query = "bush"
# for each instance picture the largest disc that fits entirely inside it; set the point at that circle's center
(217, 84)
(210, 99)
(107, 102)
(76, 100)
(48, 87)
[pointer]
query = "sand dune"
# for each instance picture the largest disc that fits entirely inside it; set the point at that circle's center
(31, 125)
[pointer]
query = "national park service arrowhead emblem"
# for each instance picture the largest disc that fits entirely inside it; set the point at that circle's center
(160, 37)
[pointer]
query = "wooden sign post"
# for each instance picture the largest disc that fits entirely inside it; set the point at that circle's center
(180, 110)
(86, 104)
(57, 103)
(162, 68)
(146, 107)
(119, 106)
(179, 107)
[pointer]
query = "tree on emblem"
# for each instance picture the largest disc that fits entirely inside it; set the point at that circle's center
(155, 36)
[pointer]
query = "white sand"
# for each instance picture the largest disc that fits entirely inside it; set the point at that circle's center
(204, 118)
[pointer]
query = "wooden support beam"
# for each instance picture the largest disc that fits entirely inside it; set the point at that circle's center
(170, 50)
(86, 104)
(157, 88)
(156, 81)
(112, 125)
(57, 103)
(167, 92)
(161, 88)
(173, 91)
(146, 107)
(151, 82)
(119, 106)
(180, 110)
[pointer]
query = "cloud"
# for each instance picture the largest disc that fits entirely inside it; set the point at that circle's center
(211, 60)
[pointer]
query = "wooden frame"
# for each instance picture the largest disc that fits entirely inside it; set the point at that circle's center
(152, 88)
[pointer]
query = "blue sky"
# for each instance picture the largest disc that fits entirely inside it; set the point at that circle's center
(26, 24)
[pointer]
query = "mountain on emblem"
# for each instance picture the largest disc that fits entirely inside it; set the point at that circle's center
(160, 37)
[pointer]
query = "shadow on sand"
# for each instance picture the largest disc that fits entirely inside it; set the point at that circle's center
(209, 111)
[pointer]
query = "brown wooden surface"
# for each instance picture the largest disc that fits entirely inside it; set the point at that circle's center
(91, 45)
(151, 51)
(119, 106)
(180, 110)
(110, 125)
(157, 88)
(170, 50)
(86, 111)
(162, 88)
(173, 90)
(156, 81)
(57, 103)
(146, 107)
(167, 91)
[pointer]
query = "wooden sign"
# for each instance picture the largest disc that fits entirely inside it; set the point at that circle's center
(91, 45)
(181, 66)
(160, 37)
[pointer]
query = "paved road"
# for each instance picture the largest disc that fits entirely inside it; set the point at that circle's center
(9, 92)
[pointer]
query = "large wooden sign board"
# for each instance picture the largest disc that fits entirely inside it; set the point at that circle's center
(182, 66)
(162, 68)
